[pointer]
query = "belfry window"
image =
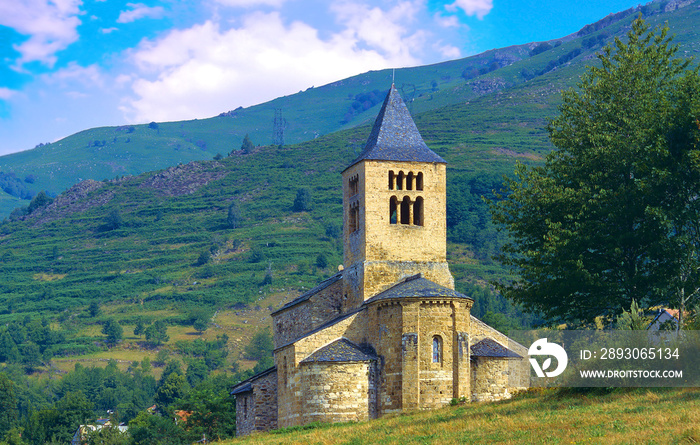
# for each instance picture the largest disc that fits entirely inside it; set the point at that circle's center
(399, 181)
(406, 210)
(354, 185)
(354, 217)
(409, 181)
(437, 349)
(419, 181)
(418, 212)
(393, 208)
(391, 179)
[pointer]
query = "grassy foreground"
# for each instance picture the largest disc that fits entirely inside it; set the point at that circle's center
(624, 416)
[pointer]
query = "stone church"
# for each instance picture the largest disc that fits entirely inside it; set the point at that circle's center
(388, 332)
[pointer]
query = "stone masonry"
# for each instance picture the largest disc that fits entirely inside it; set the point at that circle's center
(388, 333)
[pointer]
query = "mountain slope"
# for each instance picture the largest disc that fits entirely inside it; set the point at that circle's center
(542, 69)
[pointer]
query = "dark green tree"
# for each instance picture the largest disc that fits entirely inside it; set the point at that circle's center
(114, 220)
(600, 224)
(260, 345)
(9, 415)
(157, 333)
(94, 309)
(247, 145)
(140, 328)
(302, 202)
(233, 219)
(113, 331)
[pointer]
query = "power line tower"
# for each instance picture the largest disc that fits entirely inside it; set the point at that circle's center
(278, 128)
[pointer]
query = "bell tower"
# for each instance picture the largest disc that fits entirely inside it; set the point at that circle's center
(394, 202)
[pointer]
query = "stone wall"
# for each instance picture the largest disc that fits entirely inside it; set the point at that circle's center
(338, 392)
(490, 379)
(265, 399)
(245, 413)
(295, 321)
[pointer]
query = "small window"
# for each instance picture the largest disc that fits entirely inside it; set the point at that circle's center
(406, 210)
(354, 185)
(409, 181)
(418, 212)
(399, 181)
(354, 216)
(437, 349)
(419, 181)
(391, 180)
(393, 207)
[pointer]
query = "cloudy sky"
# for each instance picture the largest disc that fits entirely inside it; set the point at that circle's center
(69, 65)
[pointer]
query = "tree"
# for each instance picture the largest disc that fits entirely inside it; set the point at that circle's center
(94, 309)
(140, 328)
(260, 346)
(200, 325)
(113, 220)
(157, 333)
(600, 224)
(113, 331)
(8, 405)
(247, 145)
(303, 200)
(233, 219)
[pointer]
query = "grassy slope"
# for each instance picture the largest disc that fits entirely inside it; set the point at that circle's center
(314, 112)
(637, 416)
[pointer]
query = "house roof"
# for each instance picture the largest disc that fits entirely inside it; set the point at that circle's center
(395, 136)
(310, 293)
(416, 287)
(247, 384)
(341, 350)
(491, 348)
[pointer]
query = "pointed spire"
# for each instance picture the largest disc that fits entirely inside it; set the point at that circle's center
(395, 136)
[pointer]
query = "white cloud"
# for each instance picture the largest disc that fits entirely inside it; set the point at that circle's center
(383, 30)
(140, 11)
(76, 75)
(204, 70)
(108, 30)
(450, 21)
(449, 51)
(479, 8)
(50, 24)
(6, 93)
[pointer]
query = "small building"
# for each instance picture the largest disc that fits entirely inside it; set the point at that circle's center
(388, 333)
(665, 319)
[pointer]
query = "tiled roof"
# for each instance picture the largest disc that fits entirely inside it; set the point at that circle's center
(310, 293)
(417, 286)
(491, 348)
(395, 136)
(341, 350)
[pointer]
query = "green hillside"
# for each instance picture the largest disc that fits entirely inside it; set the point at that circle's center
(541, 69)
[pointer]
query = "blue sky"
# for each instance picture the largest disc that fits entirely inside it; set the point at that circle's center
(69, 65)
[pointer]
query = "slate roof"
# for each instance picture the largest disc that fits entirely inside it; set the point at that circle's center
(310, 293)
(417, 286)
(341, 350)
(395, 136)
(491, 348)
(247, 385)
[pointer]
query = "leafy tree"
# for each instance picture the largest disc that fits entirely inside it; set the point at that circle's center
(113, 331)
(173, 388)
(140, 328)
(114, 220)
(197, 371)
(260, 345)
(40, 200)
(108, 435)
(633, 320)
(233, 219)
(302, 202)
(604, 221)
(200, 325)
(9, 415)
(203, 258)
(94, 309)
(247, 145)
(321, 261)
(157, 333)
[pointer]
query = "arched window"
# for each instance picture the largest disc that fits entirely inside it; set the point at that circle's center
(418, 212)
(391, 179)
(406, 210)
(354, 185)
(354, 216)
(437, 349)
(393, 207)
(419, 181)
(399, 181)
(409, 181)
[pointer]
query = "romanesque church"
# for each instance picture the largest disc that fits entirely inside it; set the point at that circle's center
(388, 332)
